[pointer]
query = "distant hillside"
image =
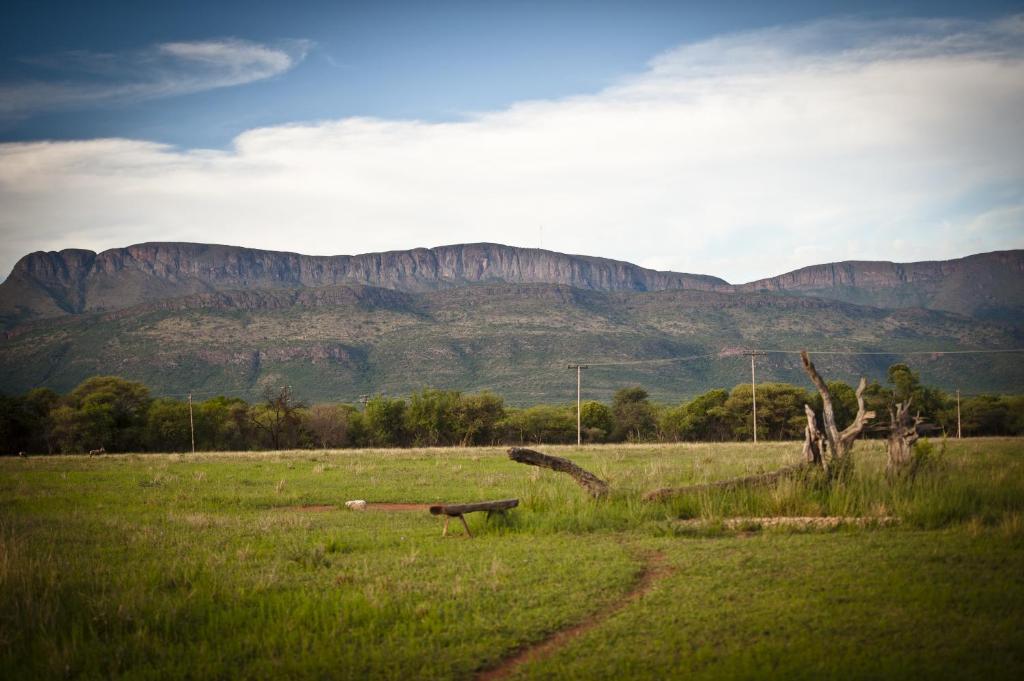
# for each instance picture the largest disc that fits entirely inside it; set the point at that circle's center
(335, 343)
(482, 316)
(988, 286)
(73, 281)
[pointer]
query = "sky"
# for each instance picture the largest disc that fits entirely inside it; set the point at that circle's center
(739, 139)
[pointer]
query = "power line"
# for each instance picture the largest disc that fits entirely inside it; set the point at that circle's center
(894, 352)
(663, 360)
(731, 355)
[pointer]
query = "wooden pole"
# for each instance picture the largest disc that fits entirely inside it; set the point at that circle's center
(958, 413)
(191, 423)
(579, 417)
(753, 394)
(753, 387)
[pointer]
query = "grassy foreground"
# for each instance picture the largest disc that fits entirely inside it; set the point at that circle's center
(207, 566)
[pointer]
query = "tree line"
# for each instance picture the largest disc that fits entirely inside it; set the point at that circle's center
(120, 415)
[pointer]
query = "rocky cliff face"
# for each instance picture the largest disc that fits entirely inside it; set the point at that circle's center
(989, 285)
(74, 281)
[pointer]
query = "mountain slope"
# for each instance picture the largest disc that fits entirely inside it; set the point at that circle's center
(337, 342)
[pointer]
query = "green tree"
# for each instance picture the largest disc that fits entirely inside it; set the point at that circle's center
(111, 413)
(39, 402)
(542, 423)
(477, 418)
(167, 426)
(596, 421)
(12, 428)
(633, 415)
(904, 381)
(985, 415)
(704, 419)
(222, 424)
(432, 417)
(66, 429)
(384, 420)
(927, 401)
(780, 411)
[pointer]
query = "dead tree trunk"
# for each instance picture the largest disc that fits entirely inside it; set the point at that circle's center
(587, 480)
(829, 450)
(836, 460)
(814, 441)
(731, 483)
(903, 434)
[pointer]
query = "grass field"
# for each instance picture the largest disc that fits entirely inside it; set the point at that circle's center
(209, 566)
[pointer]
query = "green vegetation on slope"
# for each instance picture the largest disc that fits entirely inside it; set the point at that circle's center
(511, 340)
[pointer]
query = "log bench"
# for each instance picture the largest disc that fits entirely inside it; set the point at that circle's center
(450, 511)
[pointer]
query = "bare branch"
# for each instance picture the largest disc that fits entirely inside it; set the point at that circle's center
(587, 480)
(828, 413)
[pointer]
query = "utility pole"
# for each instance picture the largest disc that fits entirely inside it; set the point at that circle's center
(191, 423)
(753, 385)
(579, 419)
(958, 413)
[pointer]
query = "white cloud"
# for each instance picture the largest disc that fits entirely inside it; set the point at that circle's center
(163, 70)
(743, 156)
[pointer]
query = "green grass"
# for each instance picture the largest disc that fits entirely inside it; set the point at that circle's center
(168, 566)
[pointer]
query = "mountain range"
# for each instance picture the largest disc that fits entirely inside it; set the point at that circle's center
(221, 319)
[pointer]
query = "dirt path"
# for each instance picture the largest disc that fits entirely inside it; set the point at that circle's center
(653, 570)
(370, 506)
(387, 506)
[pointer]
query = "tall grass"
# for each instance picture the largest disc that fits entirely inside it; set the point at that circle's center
(161, 566)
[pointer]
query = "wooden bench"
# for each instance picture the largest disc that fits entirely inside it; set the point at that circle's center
(457, 510)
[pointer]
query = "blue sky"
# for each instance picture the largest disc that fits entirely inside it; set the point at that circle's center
(423, 123)
(424, 60)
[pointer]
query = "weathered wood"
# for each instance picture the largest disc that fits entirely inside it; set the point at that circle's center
(839, 442)
(826, 450)
(731, 483)
(459, 509)
(444, 532)
(814, 441)
(903, 433)
(587, 480)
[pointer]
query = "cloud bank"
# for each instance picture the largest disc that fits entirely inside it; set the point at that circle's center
(742, 156)
(84, 79)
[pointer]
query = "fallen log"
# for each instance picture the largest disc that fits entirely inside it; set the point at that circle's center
(459, 509)
(731, 483)
(587, 480)
(798, 522)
